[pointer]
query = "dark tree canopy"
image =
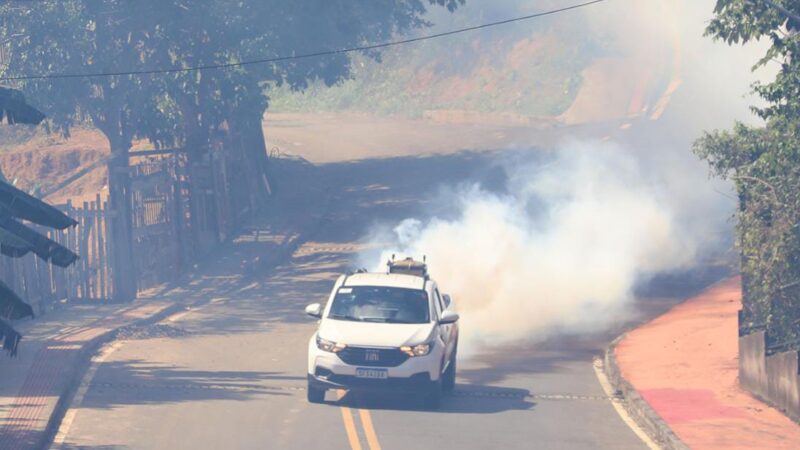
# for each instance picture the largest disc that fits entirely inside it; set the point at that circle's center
(90, 36)
(192, 109)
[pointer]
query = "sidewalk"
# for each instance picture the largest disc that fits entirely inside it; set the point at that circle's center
(36, 387)
(684, 364)
(51, 354)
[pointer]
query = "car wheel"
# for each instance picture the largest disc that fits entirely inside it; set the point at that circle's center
(434, 398)
(449, 376)
(315, 394)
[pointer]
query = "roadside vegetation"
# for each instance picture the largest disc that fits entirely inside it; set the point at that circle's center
(531, 70)
(764, 164)
(49, 47)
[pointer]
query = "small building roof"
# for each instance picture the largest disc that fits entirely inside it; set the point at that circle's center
(11, 306)
(17, 203)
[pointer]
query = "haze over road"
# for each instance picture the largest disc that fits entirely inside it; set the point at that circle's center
(232, 374)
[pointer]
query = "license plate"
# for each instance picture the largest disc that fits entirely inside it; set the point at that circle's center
(376, 374)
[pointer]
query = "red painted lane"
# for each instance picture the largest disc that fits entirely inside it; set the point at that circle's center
(685, 365)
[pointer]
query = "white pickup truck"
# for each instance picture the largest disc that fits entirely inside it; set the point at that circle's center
(390, 332)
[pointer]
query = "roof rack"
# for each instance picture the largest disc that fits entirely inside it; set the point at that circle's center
(408, 266)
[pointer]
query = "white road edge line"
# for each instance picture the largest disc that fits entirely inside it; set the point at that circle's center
(77, 400)
(617, 404)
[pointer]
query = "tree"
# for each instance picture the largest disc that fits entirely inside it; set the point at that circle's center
(82, 37)
(189, 108)
(743, 21)
(268, 29)
(764, 163)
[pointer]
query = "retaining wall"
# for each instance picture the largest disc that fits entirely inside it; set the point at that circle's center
(774, 378)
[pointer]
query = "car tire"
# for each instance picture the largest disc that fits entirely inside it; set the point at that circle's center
(315, 394)
(433, 400)
(449, 376)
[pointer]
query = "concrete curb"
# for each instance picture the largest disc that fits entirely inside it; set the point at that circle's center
(637, 407)
(83, 361)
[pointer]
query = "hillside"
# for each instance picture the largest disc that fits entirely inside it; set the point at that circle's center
(485, 89)
(38, 162)
(532, 69)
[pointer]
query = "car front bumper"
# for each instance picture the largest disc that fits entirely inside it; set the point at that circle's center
(418, 374)
(418, 383)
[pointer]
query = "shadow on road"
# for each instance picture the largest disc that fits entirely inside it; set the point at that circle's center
(346, 200)
(553, 356)
(465, 399)
(136, 382)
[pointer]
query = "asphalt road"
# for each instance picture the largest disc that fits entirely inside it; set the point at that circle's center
(232, 374)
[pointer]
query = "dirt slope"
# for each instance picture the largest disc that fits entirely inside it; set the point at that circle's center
(46, 161)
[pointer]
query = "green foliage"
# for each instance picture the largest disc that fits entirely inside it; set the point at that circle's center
(530, 68)
(192, 108)
(764, 163)
(743, 21)
(83, 36)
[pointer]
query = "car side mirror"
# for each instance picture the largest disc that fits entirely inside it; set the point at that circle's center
(314, 310)
(447, 300)
(449, 317)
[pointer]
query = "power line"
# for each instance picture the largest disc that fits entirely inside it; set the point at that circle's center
(302, 56)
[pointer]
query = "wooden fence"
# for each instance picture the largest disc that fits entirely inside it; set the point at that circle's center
(89, 278)
(156, 242)
(180, 210)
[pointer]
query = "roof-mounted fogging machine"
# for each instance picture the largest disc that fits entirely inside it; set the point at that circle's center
(408, 266)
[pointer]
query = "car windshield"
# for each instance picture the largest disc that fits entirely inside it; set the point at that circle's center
(380, 304)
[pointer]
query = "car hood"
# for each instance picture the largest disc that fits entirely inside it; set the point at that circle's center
(370, 334)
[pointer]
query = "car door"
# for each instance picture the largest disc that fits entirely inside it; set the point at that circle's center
(445, 331)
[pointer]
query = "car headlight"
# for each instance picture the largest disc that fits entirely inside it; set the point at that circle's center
(417, 350)
(329, 346)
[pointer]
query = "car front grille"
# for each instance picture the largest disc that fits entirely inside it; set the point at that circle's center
(372, 357)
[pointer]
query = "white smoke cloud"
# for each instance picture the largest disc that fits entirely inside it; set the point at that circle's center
(560, 253)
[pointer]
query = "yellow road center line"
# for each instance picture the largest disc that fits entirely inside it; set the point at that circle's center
(350, 428)
(349, 424)
(369, 430)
